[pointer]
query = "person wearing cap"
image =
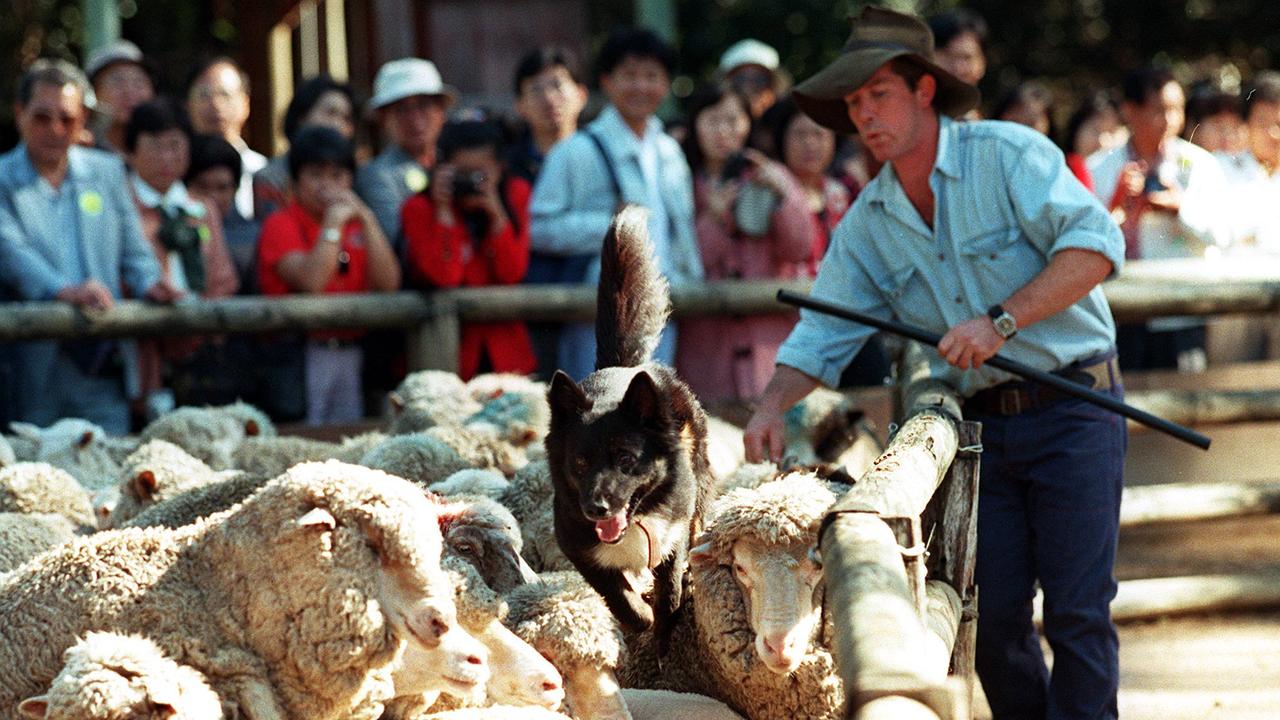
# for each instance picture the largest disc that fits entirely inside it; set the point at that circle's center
(218, 104)
(410, 100)
(69, 232)
(751, 67)
(978, 231)
(121, 81)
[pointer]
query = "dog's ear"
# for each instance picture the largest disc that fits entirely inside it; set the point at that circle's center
(643, 400)
(565, 397)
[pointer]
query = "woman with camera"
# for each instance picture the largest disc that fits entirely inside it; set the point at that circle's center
(470, 228)
(751, 223)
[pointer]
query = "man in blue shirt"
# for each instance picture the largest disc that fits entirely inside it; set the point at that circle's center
(979, 232)
(69, 231)
(622, 156)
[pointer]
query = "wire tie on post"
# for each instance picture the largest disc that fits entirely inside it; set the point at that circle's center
(970, 449)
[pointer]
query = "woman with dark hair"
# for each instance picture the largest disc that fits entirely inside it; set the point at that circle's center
(186, 234)
(1094, 126)
(470, 228)
(326, 242)
(751, 222)
(1029, 103)
(321, 101)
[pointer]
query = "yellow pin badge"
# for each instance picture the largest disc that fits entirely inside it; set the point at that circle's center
(91, 202)
(415, 179)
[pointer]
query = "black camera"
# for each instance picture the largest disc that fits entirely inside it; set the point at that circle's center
(467, 183)
(734, 167)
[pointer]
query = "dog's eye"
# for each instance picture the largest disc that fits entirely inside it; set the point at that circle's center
(580, 466)
(625, 462)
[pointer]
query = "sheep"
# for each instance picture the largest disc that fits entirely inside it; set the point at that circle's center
(256, 422)
(199, 502)
(156, 471)
(207, 433)
(7, 455)
(80, 447)
(295, 603)
(757, 626)
(519, 675)
(418, 457)
(472, 481)
(515, 407)
(482, 532)
(23, 536)
(488, 386)
(724, 447)
(568, 622)
(827, 428)
(36, 487)
(122, 677)
(529, 498)
(497, 712)
(428, 398)
(271, 456)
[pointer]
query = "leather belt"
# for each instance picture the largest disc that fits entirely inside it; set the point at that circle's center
(1018, 396)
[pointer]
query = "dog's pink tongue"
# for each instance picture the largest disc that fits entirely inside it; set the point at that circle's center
(611, 530)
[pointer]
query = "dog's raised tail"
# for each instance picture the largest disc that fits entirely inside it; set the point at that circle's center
(633, 301)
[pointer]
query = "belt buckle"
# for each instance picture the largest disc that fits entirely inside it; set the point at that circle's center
(1010, 402)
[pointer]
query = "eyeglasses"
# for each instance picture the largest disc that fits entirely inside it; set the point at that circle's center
(43, 118)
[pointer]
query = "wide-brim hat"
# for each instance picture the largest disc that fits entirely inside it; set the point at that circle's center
(406, 77)
(878, 36)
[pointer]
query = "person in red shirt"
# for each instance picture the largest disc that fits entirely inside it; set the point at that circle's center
(326, 242)
(470, 228)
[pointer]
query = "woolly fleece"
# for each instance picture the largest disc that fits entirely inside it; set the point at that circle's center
(36, 487)
(24, 536)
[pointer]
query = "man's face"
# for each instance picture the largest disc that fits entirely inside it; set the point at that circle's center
(890, 116)
(551, 100)
(121, 87)
(161, 159)
(218, 103)
(1159, 118)
(332, 110)
(414, 122)
(756, 82)
(52, 120)
(636, 87)
(963, 57)
(1264, 132)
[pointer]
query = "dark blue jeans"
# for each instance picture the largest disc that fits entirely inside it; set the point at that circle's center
(1049, 511)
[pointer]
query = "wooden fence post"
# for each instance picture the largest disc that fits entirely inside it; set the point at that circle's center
(433, 344)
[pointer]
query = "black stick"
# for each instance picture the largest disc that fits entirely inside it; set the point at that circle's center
(1056, 382)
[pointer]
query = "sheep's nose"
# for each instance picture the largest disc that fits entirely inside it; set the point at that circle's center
(777, 646)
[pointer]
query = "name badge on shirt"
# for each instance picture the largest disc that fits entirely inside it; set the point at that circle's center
(415, 179)
(91, 202)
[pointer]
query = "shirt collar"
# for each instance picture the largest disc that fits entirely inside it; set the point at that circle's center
(621, 135)
(175, 197)
(76, 170)
(945, 161)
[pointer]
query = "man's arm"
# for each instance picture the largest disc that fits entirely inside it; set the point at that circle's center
(1070, 275)
(380, 190)
(559, 224)
(766, 430)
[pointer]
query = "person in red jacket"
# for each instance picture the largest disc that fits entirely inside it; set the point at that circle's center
(470, 228)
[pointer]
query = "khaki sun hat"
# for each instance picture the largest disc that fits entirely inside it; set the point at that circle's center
(406, 77)
(878, 36)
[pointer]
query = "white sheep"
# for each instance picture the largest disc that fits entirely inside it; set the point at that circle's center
(485, 534)
(293, 604)
(157, 471)
(753, 633)
(80, 447)
(472, 481)
(515, 407)
(568, 622)
(529, 497)
(120, 677)
(198, 502)
(428, 398)
(207, 433)
(7, 455)
(37, 487)
(23, 536)
(827, 428)
(419, 457)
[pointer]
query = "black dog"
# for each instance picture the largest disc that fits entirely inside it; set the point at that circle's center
(627, 448)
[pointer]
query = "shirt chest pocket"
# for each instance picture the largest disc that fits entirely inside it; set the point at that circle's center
(1001, 262)
(907, 293)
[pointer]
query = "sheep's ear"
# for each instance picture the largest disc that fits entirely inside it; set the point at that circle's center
(642, 399)
(145, 484)
(701, 555)
(34, 707)
(25, 430)
(397, 402)
(85, 439)
(318, 518)
(566, 397)
(251, 428)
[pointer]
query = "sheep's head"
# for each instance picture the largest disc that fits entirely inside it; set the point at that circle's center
(763, 536)
(116, 677)
(485, 534)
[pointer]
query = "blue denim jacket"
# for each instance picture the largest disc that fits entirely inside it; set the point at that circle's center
(1005, 203)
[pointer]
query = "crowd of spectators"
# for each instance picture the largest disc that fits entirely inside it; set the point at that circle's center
(120, 191)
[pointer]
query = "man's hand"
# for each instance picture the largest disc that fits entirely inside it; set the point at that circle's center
(163, 292)
(91, 295)
(970, 343)
(441, 192)
(765, 432)
(345, 207)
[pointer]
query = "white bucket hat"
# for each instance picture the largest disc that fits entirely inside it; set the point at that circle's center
(406, 77)
(749, 52)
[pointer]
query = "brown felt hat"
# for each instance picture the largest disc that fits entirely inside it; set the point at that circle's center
(879, 35)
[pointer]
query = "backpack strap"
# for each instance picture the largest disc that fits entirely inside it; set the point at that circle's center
(608, 163)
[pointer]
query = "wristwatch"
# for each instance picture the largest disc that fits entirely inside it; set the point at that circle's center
(1005, 323)
(331, 234)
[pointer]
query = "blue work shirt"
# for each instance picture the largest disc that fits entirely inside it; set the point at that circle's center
(1005, 203)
